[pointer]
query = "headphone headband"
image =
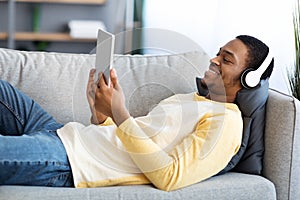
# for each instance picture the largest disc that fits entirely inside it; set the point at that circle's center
(263, 67)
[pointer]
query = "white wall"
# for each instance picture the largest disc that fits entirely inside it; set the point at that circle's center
(212, 23)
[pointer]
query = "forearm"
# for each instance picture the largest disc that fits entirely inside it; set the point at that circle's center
(120, 115)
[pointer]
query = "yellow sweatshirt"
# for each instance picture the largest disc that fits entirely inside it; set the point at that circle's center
(184, 140)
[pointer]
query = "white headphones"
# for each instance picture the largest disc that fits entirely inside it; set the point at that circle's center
(250, 78)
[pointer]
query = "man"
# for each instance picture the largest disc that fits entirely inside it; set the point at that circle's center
(195, 141)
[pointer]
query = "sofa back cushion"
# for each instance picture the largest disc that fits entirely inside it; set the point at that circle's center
(57, 81)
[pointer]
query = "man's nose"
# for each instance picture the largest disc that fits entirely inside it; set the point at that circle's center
(215, 61)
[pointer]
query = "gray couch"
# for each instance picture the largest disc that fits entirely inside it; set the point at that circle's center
(57, 81)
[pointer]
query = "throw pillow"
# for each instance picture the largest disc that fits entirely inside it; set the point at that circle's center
(252, 105)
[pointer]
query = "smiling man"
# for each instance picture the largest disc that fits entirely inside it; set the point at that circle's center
(186, 139)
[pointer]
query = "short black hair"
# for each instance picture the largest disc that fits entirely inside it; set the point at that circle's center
(257, 52)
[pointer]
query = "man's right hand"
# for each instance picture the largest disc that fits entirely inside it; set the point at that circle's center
(97, 117)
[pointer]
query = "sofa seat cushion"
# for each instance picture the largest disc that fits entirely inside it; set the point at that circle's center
(226, 187)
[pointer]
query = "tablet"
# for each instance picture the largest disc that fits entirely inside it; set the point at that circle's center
(104, 54)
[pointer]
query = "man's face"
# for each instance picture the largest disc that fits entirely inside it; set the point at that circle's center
(226, 68)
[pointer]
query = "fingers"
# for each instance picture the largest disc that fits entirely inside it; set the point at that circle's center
(114, 84)
(92, 74)
(91, 88)
(101, 82)
(114, 78)
(90, 79)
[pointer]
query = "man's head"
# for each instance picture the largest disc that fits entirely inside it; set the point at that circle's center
(223, 78)
(257, 52)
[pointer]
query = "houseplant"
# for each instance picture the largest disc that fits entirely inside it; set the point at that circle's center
(294, 75)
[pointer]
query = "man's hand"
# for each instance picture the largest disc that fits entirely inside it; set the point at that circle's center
(97, 117)
(110, 101)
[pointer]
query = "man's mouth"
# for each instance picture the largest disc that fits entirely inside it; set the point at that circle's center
(213, 70)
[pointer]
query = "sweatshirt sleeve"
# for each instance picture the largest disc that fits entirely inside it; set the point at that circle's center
(107, 122)
(200, 155)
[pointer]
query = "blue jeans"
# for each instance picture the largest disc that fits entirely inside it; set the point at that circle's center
(31, 153)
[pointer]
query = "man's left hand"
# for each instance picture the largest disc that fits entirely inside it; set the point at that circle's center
(110, 100)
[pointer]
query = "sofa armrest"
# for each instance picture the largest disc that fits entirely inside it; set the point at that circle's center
(282, 144)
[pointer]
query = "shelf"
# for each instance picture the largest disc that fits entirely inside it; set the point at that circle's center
(3, 36)
(64, 1)
(11, 36)
(58, 37)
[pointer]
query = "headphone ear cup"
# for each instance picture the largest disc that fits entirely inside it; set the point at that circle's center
(250, 77)
(243, 78)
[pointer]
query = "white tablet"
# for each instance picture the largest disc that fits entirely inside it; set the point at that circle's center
(104, 54)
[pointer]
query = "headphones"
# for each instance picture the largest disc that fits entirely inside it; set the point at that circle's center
(250, 78)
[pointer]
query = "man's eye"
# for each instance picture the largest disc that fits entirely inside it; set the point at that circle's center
(226, 60)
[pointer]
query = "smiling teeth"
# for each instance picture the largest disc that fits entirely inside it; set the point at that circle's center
(213, 71)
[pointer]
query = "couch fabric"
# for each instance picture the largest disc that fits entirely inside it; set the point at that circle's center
(57, 81)
(226, 187)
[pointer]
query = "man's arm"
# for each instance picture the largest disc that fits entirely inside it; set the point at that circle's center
(191, 161)
(185, 164)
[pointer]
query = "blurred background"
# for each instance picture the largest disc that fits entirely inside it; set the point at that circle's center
(150, 26)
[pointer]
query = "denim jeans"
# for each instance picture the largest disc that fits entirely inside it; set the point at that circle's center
(31, 153)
